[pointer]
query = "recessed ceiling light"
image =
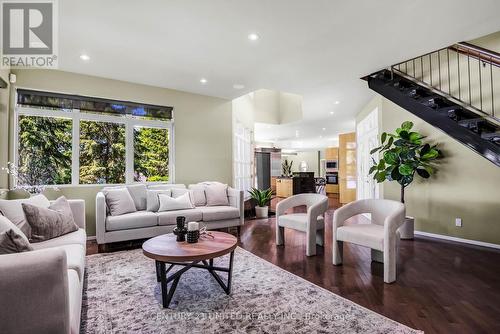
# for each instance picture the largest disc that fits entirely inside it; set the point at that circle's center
(84, 57)
(321, 136)
(203, 81)
(331, 113)
(253, 37)
(337, 102)
(238, 86)
(324, 129)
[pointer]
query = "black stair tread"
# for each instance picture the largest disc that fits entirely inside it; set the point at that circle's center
(491, 135)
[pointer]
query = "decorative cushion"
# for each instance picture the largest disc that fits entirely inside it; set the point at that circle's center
(153, 203)
(138, 194)
(119, 201)
(166, 186)
(199, 197)
(13, 210)
(168, 203)
(74, 238)
(12, 242)
(216, 195)
(51, 222)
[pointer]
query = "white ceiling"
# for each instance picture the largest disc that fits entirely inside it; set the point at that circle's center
(318, 49)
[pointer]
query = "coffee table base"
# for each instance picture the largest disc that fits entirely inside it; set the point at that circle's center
(162, 271)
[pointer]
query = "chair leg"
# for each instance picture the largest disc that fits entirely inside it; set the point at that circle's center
(320, 237)
(310, 243)
(280, 235)
(390, 258)
(377, 256)
(337, 252)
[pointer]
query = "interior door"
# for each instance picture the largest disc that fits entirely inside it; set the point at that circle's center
(367, 139)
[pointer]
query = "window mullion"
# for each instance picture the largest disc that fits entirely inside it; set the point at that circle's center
(75, 148)
(129, 151)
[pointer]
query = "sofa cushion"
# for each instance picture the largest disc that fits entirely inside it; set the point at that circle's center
(51, 222)
(13, 210)
(211, 213)
(138, 194)
(119, 201)
(199, 197)
(74, 238)
(298, 221)
(216, 195)
(168, 203)
(170, 217)
(75, 301)
(131, 220)
(369, 235)
(153, 200)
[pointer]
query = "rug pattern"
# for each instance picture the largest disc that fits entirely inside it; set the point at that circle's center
(121, 295)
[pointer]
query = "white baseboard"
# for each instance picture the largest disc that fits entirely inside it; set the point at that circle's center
(465, 241)
(91, 238)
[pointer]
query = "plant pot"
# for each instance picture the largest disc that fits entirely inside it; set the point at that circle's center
(406, 231)
(261, 211)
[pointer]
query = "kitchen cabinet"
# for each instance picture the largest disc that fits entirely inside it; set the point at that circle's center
(284, 187)
(347, 167)
(332, 153)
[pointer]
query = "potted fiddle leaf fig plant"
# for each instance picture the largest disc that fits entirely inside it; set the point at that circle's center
(262, 197)
(403, 156)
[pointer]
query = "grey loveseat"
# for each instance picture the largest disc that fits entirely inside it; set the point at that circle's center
(145, 223)
(41, 290)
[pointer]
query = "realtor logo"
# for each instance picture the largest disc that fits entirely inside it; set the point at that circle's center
(29, 34)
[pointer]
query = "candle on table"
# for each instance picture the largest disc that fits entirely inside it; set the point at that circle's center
(193, 226)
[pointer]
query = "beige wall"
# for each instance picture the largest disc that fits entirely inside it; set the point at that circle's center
(203, 125)
(4, 130)
(466, 184)
(275, 107)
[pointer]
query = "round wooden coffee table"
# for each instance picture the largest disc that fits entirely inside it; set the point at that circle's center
(164, 249)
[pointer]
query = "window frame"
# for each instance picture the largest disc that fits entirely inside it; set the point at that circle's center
(76, 116)
(242, 160)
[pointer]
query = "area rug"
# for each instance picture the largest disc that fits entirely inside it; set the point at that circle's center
(121, 295)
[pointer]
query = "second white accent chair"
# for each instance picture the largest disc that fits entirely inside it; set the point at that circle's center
(312, 222)
(381, 235)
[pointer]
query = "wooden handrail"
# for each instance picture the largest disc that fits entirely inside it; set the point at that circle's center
(477, 52)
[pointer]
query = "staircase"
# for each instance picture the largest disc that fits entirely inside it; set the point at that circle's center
(456, 89)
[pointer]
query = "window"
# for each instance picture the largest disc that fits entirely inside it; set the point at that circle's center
(67, 139)
(44, 150)
(242, 157)
(102, 152)
(151, 154)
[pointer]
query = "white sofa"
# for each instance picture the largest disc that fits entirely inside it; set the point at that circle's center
(41, 290)
(144, 224)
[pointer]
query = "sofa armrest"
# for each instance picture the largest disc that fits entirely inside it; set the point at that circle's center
(78, 209)
(34, 292)
(100, 217)
(236, 200)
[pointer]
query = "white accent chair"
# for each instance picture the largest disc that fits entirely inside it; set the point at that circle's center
(312, 222)
(381, 235)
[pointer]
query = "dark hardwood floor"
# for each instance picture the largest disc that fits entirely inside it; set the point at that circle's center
(441, 287)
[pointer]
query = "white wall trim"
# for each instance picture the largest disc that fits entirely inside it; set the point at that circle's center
(465, 241)
(92, 237)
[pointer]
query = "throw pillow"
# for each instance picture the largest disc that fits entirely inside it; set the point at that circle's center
(51, 222)
(13, 210)
(168, 203)
(6, 225)
(216, 195)
(119, 201)
(138, 194)
(153, 203)
(12, 242)
(198, 194)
